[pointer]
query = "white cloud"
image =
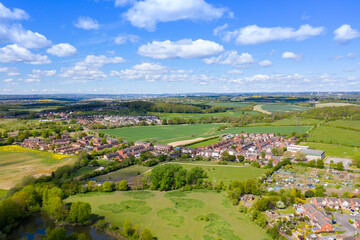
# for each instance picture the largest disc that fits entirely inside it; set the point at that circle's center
(15, 14)
(87, 23)
(185, 48)
(89, 68)
(62, 50)
(153, 72)
(146, 14)
(15, 53)
(8, 80)
(220, 29)
(24, 38)
(345, 33)
(121, 3)
(31, 80)
(351, 55)
(36, 73)
(231, 58)
(11, 72)
(291, 55)
(122, 39)
(254, 34)
(265, 63)
(235, 72)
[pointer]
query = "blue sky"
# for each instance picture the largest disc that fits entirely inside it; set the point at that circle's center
(178, 46)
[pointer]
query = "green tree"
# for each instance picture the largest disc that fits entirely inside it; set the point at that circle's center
(108, 186)
(300, 156)
(339, 166)
(80, 212)
(103, 141)
(320, 163)
(146, 235)
(128, 228)
(287, 155)
(122, 185)
(309, 193)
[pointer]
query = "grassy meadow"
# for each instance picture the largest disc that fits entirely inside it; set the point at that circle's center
(17, 162)
(175, 215)
(205, 142)
(283, 108)
(229, 104)
(335, 135)
(200, 115)
(225, 173)
(124, 173)
(354, 124)
(333, 150)
(172, 133)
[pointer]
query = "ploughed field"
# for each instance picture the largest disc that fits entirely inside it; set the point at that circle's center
(17, 162)
(175, 215)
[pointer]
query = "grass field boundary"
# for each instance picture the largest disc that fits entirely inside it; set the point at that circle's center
(203, 140)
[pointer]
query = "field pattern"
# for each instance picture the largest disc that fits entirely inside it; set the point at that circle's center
(283, 108)
(333, 150)
(173, 133)
(200, 115)
(176, 215)
(229, 104)
(355, 124)
(16, 162)
(336, 136)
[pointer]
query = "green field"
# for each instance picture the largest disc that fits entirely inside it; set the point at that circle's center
(124, 173)
(335, 135)
(175, 215)
(355, 124)
(204, 143)
(200, 115)
(3, 192)
(172, 133)
(164, 134)
(290, 122)
(226, 173)
(17, 162)
(229, 104)
(283, 108)
(333, 150)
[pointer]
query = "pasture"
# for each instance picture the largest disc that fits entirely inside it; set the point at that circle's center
(226, 173)
(165, 134)
(17, 162)
(290, 122)
(333, 150)
(203, 115)
(175, 215)
(204, 143)
(283, 108)
(229, 104)
(125, 173)
(319, 105)
(354, 124)
(335, 135)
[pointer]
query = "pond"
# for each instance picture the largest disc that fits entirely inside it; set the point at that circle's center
(34, 227)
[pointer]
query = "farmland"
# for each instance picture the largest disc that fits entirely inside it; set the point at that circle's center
(319, 105)
(175, 215)
(335, 135)
(204, 142)
(290, 122)
(200, 115)
(171, 133)
(17, 162)
(333, 150)
(229, 104)
(225, 173)
(124, 173)
(345, 124)
(282, 108)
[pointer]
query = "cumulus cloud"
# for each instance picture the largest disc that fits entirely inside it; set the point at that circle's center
(62, 50)
(185, 48)
(220, 29)
(8, 80)
(235, 72)
(351, 55)
(146, 14)
(265, 63)
(254, 34)
(15, 14)
(31, 80)
(24, 38)
(15, 53)
(36, 73)
(153, 72)
(11, 72)
(86, 23)
(345, 33)
(231, 58)
(122, 39)
(89, 68)
(121, 3)
(291, 55)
